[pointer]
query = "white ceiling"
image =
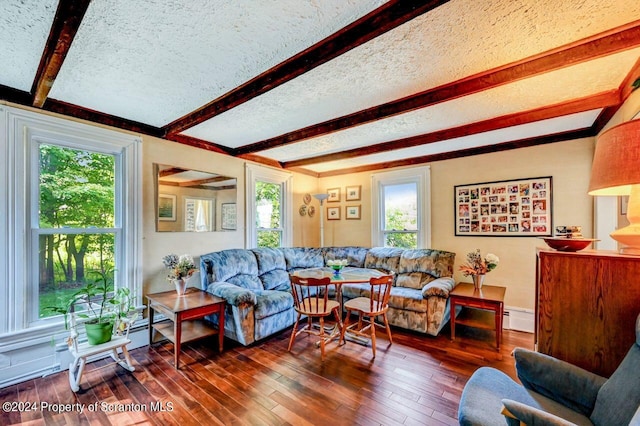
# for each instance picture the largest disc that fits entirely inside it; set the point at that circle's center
(156, 61)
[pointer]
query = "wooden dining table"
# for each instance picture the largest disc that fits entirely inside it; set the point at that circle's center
(348, 275)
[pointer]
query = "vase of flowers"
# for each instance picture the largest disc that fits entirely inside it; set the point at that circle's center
(180, 268)
(337, 265)
(477, 266)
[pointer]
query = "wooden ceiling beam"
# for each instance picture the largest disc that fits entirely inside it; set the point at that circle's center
(16, 96)
(624, 91)
(63, 30)
(487, 149)
(387, 17)
(603, 44)
(262, 160)
(101, 118)
(601, 100)
(198, 143)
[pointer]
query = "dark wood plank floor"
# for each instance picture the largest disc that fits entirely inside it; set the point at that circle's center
(416, 381)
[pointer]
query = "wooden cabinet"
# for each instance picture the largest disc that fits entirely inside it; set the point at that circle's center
(587, 303)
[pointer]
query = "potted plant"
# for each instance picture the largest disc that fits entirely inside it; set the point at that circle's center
(104, 306)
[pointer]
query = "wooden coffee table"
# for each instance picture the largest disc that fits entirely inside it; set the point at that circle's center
(483, 308)
(186, 317)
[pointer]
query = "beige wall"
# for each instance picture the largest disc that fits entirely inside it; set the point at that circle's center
(351, 232)
(158, 244)
(306, 229)
(569, 163)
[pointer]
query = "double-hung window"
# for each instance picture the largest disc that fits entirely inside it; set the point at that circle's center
(400, 209)
(73, 207)
(76, 229)
(268, 207)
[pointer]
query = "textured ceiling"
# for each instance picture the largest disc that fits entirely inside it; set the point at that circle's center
(128, 52)
(184, 70)
(569, 83)
(24, 27)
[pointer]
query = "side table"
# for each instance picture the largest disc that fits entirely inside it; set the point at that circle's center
(186, 315)
(486, 308)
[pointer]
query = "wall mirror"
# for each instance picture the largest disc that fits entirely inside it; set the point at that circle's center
(194, 201)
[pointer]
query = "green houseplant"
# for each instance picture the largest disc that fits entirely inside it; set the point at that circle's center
(104, 306)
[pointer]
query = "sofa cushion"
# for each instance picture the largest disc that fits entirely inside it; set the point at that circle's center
(418, 267)
(302, 257)
(272, 269)
(234, 295)
(355, 255)
(440, 287)
(400, 298)
(235, 266)
(384, 259)
(271, 302)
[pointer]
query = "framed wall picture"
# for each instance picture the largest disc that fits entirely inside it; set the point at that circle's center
(228, 220)
(511, 208)
(352, 212)
(352, 193)
(624, 204)
(334, 195)
(333, 213)
(167, 207)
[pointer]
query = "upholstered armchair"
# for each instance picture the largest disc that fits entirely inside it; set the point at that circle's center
(553, 392)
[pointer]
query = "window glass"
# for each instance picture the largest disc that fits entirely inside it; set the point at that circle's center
(401, 215)
(76, 231)
(268, 214)
(77, 188)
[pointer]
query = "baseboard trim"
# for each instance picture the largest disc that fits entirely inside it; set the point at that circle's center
(519, 319)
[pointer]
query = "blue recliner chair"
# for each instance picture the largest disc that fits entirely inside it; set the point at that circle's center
(553, 392)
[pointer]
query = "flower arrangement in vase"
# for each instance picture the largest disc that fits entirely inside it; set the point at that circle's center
(337, 265)
(180, 267)
(478, 266)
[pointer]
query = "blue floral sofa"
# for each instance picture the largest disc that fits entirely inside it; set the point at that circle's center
(255, 284)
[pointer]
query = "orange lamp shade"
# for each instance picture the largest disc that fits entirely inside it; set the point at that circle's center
(616, 162)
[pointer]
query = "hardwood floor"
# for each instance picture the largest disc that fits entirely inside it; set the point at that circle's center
(416, 381)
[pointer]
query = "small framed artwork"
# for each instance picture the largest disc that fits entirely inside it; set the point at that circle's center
(333, 213)
(352, 193)
(510, 208)
(624, 204)
(352, 212)
(334, 195)
(228, 220)
(167, 207)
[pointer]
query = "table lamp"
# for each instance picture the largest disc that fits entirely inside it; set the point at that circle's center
(616, 171)
(321, 198)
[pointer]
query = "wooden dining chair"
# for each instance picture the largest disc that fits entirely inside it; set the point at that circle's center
(368, 308)
(311, 299)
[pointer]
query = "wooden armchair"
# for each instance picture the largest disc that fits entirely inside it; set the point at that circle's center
(311, 299)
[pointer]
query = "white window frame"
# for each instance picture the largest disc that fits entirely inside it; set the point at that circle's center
(255, 173)
(421, 176)
(21, 133)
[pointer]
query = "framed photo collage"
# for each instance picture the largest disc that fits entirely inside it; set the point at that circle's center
(512, 208)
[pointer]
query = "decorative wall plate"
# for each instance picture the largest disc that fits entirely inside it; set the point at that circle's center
(311, 210)
(307, 198)
(302, 210)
